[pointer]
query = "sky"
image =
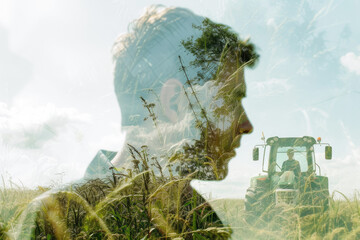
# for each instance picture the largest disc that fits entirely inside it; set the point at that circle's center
(58, 107)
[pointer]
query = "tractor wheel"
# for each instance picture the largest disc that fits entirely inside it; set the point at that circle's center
(254, 203)
(322, 199)
(250, 199)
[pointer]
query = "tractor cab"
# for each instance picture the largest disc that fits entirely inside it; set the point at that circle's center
(276, 153)
(302, 152)
(291, 174)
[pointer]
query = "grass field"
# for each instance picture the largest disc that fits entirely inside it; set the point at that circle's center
(341, 221)
(13, 201)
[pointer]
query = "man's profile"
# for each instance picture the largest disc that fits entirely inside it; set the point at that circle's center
(179, 81)
(291, 164)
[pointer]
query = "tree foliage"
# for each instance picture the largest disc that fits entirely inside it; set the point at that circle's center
(216, 43)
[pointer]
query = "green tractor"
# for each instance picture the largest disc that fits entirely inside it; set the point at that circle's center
(292, 176)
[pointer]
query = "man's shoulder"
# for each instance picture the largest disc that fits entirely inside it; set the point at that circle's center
(99, 167)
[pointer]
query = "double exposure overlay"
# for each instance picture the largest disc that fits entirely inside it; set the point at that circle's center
(197, 120)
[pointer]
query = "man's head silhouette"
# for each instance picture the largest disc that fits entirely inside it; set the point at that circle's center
(179, 81)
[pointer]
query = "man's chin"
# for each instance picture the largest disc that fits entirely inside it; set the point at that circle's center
(214, 171)
(210, 175)
(222, 174)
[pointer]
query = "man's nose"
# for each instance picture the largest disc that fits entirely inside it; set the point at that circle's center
(246, 127)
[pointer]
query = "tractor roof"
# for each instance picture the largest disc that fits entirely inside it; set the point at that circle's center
(291, 141)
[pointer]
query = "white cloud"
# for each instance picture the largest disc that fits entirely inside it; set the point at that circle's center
(315, 118)
(271, 87)
(271, 23)
(5, 6)
(343, 170)
(351, 62)
(25, 126)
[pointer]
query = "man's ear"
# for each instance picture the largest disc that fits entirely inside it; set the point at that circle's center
(169, 98)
